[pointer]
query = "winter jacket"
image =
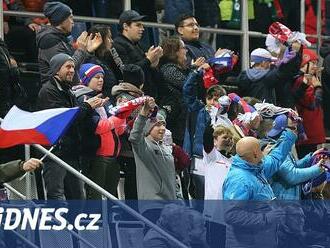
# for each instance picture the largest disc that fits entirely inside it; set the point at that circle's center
(285, 97)
(249, 182)
(51, 41)
(261, 83)
(196, 49)
(170, 98)
(325, 52)
(105, 129)
(109, 131)
(196, 117)
(11, 170)
(286, 183)
(310, 109)
(132, 53)
(155, 170)
(6, 101)
(53, 94)
(247, 224)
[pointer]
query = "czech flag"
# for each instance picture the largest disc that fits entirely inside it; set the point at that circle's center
(43, 127)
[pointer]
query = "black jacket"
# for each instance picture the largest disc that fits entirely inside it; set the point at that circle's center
(325, 53)
(5, 92)
(198, 49)
(51, 41)
(132, 53)
(11, 93)
(263, 84)
(171, 99)
(54, 94)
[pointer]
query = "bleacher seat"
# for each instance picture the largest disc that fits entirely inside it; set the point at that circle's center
(129, 234)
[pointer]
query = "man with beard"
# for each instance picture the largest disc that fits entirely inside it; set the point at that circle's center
(56, 93)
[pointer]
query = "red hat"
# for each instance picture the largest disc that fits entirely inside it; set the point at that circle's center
(307, 56)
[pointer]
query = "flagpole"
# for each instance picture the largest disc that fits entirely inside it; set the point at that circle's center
(28, 192)
(109, 196)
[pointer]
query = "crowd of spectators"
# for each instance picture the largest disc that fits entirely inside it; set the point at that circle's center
(162, 115)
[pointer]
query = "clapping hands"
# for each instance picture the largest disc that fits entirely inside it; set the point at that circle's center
(89, 42)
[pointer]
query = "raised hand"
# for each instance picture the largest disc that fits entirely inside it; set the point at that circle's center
(34, 27)
(94, 43)
(82, 41)
(198, 62)
(154, 54)
(148, 106)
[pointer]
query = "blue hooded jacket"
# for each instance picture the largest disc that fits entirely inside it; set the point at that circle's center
(249, 182)
(286, 183)
(196, 119)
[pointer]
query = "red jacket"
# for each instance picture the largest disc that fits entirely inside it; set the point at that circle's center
(109, 131)
(310, 109)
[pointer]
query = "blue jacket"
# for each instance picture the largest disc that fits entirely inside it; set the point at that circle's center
(286, 182)
(196, 49)
(196, 118)
(249, 182)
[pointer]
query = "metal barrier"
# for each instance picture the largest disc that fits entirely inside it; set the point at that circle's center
(104, 193)
(244, 32)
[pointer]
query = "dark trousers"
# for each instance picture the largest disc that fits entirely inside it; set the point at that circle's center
(104, 171)
(128, 166)
(61, 184)
(197, 191)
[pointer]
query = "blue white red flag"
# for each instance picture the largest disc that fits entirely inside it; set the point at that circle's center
(43, 127)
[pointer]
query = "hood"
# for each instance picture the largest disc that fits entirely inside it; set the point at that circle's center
(255, 74)
(240, 163)
(48, 36)
(126, 88)
(325, 50)
(80, 90)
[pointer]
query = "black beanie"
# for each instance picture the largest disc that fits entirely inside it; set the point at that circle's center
(133, 74)
(57, 12)
(57, 61)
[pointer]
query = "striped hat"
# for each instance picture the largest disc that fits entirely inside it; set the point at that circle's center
(88, 71)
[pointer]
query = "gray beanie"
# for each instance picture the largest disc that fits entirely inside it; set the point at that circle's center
(57, 12)
(57, 61)
(151, 122)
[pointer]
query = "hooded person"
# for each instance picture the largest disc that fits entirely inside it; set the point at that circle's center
(127, 90)
(308, 90)
(57, 93)
(262, 78)
(287, 181)
(325, 52)
(53, 39)
(155, 169)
